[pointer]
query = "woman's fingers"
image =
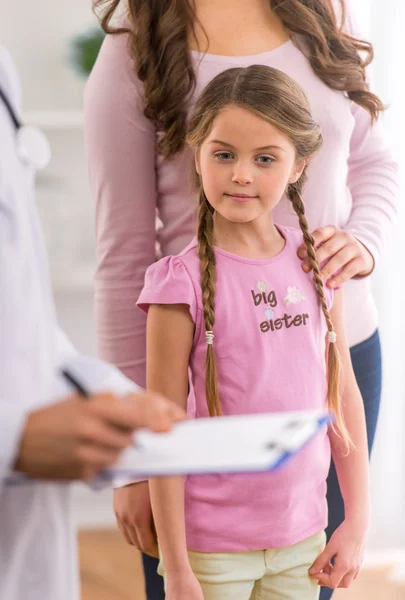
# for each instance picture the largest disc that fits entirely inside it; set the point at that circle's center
(147, 540)
(340, 253)
(321, 235)
(335, 253)
(328, 250)
(129, 535)
(348, 272)
(337, 262)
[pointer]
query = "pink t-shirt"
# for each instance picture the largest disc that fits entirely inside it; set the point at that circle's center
(270, 353)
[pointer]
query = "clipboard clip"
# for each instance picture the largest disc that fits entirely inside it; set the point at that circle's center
(286, 452)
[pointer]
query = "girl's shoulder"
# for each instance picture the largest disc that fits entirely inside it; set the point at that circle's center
(173, 280)
(184, 265)
(190, 260)
(292, 235)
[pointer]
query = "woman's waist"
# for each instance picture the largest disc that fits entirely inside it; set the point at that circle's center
(361, 317)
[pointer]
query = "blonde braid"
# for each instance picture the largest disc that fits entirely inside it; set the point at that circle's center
(334, 360)
(205, 237)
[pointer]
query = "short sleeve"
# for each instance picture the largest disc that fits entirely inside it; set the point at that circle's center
(169, 282)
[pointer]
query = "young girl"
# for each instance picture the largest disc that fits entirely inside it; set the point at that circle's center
(257, 335)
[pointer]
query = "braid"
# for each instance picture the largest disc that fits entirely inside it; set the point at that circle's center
(334, 361)
(205, 236)
(298, 205)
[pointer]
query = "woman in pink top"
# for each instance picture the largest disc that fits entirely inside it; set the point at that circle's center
(140, 92)
(236, 310)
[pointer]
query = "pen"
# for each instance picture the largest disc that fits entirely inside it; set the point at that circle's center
(80, 389)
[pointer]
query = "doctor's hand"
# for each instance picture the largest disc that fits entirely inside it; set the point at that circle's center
(134, 517)
(340, 253)
(75, 439)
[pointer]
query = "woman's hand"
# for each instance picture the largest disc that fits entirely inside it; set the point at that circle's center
(184, 586)
(346, 546)
(345, 255)
(134, 517)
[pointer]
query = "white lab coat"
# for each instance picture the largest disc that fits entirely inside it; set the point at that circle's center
(38, 559)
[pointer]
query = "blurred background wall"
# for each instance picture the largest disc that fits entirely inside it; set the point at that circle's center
(39, 35)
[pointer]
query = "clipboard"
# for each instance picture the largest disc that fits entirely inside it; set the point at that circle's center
(234, 444)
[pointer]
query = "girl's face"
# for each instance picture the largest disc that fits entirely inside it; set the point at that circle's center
(245, 165)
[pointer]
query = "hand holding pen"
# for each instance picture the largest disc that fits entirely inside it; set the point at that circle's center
(73, 439)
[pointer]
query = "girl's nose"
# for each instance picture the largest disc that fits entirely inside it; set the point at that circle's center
(242, 174)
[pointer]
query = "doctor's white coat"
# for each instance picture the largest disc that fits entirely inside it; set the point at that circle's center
(38, 558)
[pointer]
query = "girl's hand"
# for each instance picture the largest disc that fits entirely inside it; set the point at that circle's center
(184, 587)
(344, 254)
(346, 546)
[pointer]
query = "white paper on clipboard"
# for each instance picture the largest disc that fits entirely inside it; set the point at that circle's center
(234, 444)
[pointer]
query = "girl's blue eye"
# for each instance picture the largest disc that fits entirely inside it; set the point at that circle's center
(223, 155)
(267, 160)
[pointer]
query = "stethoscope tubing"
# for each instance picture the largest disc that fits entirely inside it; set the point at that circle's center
(16, 121)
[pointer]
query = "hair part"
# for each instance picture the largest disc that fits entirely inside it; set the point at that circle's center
(158, 32)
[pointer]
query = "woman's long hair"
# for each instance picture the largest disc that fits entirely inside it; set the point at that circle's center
(159, 43)
(276, 98)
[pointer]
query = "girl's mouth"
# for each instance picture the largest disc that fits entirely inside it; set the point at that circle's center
(241, 197)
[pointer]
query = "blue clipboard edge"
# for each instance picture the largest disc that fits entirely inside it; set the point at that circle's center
(326, 420)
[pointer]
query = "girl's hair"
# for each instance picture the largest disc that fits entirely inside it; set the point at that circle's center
(276, 98)
(159, 31)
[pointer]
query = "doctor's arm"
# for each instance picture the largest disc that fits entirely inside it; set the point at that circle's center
(62, 437)
(13, 412)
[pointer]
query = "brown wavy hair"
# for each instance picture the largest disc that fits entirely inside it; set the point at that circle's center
(159, 30)
(277, 99)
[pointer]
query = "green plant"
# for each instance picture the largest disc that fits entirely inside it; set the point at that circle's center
(85, 48)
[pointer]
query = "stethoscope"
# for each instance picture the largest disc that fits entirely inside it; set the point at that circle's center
(32, 145)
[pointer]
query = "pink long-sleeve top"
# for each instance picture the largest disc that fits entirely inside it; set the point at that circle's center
(352, 184)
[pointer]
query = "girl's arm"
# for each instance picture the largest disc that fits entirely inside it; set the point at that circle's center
(170, 331)
(347, 543)
(352, 466)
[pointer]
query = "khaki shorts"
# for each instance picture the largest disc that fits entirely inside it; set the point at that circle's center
(280, 574)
